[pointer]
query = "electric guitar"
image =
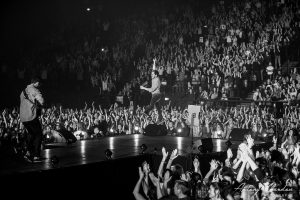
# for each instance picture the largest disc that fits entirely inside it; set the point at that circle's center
(35, 103)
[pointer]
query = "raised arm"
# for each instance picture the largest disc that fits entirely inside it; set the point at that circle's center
(239, 177)
(160, 169)
(136, 190)
(172, 157)
(213, 167)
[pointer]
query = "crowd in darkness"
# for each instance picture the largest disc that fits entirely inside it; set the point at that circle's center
(214, 55)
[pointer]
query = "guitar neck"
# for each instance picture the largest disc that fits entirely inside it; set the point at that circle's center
(144, 84)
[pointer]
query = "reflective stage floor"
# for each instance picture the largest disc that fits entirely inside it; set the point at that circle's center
(85, 152)
(82, 167)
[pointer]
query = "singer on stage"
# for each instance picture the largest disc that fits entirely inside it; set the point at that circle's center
(155, 91)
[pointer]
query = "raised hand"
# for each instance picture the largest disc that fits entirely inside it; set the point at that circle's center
(164, 153)
(213, 165)
(244, 152)
(285, 153)
(257, 154)
(229, 153)
(283, 144)
(141, 173)
(215, 178)
(297, 150)
(295, 171)
(184, 177)
(174, 154)
(274, 140)
(196, 164)
(250, 141)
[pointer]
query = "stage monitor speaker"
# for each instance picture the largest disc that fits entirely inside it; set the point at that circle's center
(207, 145)
(237, 134)
(68, 136)
(155, 130)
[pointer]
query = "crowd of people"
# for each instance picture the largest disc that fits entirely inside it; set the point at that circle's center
(226, 53)
(216, 54)
(279, 87)
(95, 122)
(210, 54)
(245, 174)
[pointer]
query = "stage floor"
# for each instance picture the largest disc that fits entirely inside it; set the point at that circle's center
(92, 151)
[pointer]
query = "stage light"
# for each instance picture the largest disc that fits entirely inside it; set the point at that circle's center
(167, 99)
(102, 49)
(88, 9)
(48, 136)
(265, 135)
(143, 147)
(136, 128)
(108, 154)
(111, 130)
(179, 130)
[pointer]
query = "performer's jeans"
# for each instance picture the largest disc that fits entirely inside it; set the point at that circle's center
(154, 101)
(34, 137)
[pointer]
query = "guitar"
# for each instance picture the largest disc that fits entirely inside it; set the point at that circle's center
(38, 108)
(35, 103)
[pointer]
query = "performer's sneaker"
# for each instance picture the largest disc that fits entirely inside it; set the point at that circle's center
(37, 159)
(27, 158)
(33, 160)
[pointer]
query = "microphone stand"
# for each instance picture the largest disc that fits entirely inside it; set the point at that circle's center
(192, 130)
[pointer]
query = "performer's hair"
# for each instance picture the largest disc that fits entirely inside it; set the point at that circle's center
(35, 79)
(156, 72)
